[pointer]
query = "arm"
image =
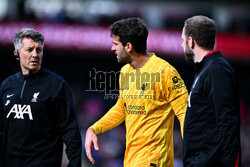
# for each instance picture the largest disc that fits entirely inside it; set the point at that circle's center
(224, 98)
(114, 117)
(176, 93)
(1, 123)
(69, 127)
(89, 139)
(179, 106)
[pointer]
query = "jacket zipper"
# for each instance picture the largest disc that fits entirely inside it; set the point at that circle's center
(24, 83)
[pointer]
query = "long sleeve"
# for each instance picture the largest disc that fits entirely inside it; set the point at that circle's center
(179, 106)
(69, 127)
(1, 125)
(176, 93)
(223, 94)
(114, 117)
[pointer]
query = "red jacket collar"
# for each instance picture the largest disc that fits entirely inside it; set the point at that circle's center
(211, 52)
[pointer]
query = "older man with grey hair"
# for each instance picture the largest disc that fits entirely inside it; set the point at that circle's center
(36, 111)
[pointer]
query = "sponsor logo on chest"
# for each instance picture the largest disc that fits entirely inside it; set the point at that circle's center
(19, 111)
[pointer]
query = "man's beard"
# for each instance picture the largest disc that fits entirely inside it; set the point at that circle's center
(189, 54)
(124, 57)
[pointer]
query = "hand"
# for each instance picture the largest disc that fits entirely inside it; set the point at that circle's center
(89, 139)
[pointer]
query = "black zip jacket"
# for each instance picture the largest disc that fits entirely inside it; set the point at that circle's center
(37, 117)
(212, 123)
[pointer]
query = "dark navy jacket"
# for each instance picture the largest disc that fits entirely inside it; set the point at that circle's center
(212, 123)
(37, 116)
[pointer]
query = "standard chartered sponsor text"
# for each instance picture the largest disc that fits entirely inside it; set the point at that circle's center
(117, 96)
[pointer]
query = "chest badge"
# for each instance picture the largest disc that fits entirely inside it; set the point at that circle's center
(8, 96)
(7, 102)
(35, 96)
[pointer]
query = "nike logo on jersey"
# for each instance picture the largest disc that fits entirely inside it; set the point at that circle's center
(20, 110)
(8, 96)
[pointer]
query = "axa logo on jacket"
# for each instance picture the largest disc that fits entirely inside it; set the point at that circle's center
(19, 110)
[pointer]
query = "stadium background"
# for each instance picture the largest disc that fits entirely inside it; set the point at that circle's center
(77, 42)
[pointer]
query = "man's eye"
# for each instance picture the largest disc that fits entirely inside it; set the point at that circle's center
(39, 50)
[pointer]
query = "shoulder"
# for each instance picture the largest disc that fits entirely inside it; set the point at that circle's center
(10, 80)
(126, 68)
(159, 64)
(55, 81)
(164, 66)
(53, 76)
(219, 65)
(219, 70)
(166, 70)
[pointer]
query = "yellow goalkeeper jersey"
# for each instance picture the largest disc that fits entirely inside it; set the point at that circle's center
(149, 99)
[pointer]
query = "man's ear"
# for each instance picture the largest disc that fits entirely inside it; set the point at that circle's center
(129, 47)
(16, 54)
(191, 42)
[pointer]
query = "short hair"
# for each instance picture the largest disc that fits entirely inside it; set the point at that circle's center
(27, 33)
(133, 30)
(202, 29)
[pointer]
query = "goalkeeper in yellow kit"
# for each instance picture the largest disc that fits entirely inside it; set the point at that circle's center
(151, 94)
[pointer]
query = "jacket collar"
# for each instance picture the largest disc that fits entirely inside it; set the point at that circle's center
(207, 58)
(31, 76)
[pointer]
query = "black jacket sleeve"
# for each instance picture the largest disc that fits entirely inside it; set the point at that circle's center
(68, 125)
(223, 97)
(1, 124)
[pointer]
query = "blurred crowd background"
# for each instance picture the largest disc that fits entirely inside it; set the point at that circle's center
(77, 47)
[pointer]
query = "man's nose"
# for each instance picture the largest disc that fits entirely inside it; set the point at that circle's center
(34, 53)
(113, 48)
